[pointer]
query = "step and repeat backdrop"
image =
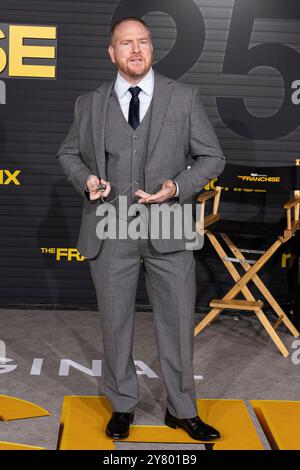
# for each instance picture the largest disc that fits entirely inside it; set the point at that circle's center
(243, 54)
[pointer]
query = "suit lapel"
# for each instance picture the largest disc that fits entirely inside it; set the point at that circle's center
(99, 110)
(163, 88)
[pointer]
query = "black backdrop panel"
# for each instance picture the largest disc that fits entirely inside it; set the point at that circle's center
(244, 54)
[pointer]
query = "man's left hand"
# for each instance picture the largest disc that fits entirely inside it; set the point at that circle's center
(167, 191)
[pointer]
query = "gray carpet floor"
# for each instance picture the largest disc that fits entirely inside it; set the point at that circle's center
(234, 358)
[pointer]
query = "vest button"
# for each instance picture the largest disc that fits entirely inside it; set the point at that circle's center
(134, 137)
(134, 152)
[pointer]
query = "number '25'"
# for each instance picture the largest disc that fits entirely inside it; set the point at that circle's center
(239, 59)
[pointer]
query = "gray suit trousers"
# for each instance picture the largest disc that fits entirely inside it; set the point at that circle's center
(171, 286)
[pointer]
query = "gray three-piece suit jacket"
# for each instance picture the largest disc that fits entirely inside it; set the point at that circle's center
(178, 129)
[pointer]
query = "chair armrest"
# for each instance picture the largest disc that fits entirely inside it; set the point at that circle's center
(292, 202)
(206, 196)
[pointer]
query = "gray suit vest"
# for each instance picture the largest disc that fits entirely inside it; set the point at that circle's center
(126, 151)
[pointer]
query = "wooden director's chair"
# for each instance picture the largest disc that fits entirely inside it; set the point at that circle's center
(252, 180)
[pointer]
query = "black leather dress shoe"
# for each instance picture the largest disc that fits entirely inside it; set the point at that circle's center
(119, 425)
(195, 427)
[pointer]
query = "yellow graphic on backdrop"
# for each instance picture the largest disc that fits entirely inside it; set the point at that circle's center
(15, 50)
(7, 177)
(68, 254)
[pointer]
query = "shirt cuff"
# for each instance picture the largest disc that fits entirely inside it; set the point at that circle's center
(177, 189)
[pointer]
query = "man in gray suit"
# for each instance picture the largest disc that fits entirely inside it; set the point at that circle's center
(133, 136)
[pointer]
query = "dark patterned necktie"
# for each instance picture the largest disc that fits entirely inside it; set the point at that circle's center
(134, 107)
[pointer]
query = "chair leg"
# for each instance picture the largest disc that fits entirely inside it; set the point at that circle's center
(276, 307)
(265, 322)
(241, 288)
(209, 318)
(213, 313)
(261, 286)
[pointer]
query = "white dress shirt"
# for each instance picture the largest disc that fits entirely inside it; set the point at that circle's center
(145, 95)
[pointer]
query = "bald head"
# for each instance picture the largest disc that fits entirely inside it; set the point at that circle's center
(118, 23)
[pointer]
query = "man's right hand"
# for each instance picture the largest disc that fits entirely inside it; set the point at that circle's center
(92, 184)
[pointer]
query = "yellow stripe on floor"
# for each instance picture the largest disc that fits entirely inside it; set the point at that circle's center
(15, 446)
(280, 421)
(15, 408)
